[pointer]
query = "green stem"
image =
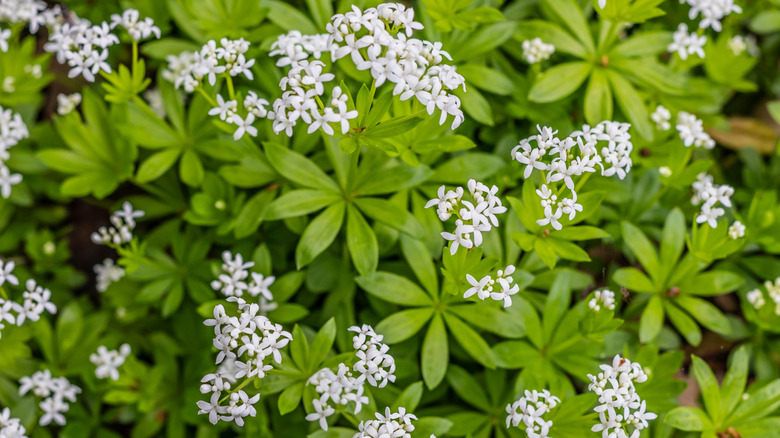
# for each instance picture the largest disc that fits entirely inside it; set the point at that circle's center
(231, 91)
(3, 294)
(208, 98)
(237, 388)
(582, 181)
(135, 56)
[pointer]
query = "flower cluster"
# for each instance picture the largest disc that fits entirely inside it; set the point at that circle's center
(685, 43)
(621, 408)
(737, 230)
(374, 365)
(661, 117)
(293, 47)
(11, 427)
(739, 44)
(602, 299)
(23, 11)
(138, 30)
(380, 40)
(536, 50)
(66, 103)
(121, 232)
(12, 131)
(302, 88)
(392, 424)
(37, 299)
(484, 287)
(756, 297)
(711, 195)
(474, 217)
(692, 132)
(108, 361)
(245, 340)
(561, 161)
(711, 11)
(529, 410)
(187, 70)
(106, 274)
(54, 391)
(232, 282)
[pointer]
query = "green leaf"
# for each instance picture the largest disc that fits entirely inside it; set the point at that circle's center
(289, 18)
(476, 106)
(598, 98)
(321, 344)
(735, 379)
(393, 127)
(643, 44)
(391, 215)
(760, 404)
(688, 419)
(435, 353)
(410, 398)
(709, 388)
(191, 168)
(471, 341)
(567, 250)
(299, 203)
(361, 241)
(490, 319)
(684, 323)
(299, 169)
(570, 14)
(320, 233)
(672, 241)
(394, 289)
(252, 214)
(154, 166)
(766, 22)
(559, 81)
(706, 313)
(551, 34)
(401, 326)
(632, 104)
(469, 390)
(419, 259)
(299, 347)
(290, 398)
(642, 249)
(545, 252)
(483, 40)
(172, 300)
(487, 79)
(477, 165)
(711, 283)
(582, 232)
(652, 320)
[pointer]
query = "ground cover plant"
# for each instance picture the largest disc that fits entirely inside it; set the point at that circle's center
(438, 218)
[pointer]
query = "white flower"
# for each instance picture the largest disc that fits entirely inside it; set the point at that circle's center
(712, 11)
(661, 117)
(244, 126)
(536, 50)
(121, 231)
(106, 274)
(66, 103)
(226, 110)
(736, 231)
(528, 411)
(4, 35)
(619, 404)
(685, 44)
(602, 299)
(664, 171)
(461, 236)
(321, 413)
(692, 132)
(8, 180)
(109, 361)
(739, 44)
(756, 298)
(54, 391)
(6, 273)
(390, 425)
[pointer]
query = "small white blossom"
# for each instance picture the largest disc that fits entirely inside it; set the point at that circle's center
(621, 410)
(121, 231)
(737, 230)
(107, 273)
(740, 44)
(136, 28)
(108, 361)
(66, 103)
(54, 392)
(711, 195)
(711, 11)
(604, 298)
(665, 171)
(691, 131)
(391, 424)
(686, 44)
(11, 427)
(536, 50)
(756, 298)
(661, 117)
(527, 412)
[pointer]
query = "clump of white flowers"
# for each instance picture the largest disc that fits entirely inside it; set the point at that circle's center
(602, 299)
(11, 427)
(392, 424)
(12, 131)
(84, 45)
(484, 287)
(54, 392)
(536, 50)
(22, 11)
(228, 59)
(232, 281)
(4, 35)
(36, 299)
(137, 29)
(737, 230)
(685, 43)
(665, 171)
(293, 47)
(711, 195)
(528, 411)
(373, 366)
(740, 44)
(121, 231)
(473, 217)
(621, 411)
(561, 160)
(756, 298)
(66, 103)
(691, 130)
(249, 342)
(107, 362)
(107, 273)
(380, 40)
(661, 117)
(711, 11)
